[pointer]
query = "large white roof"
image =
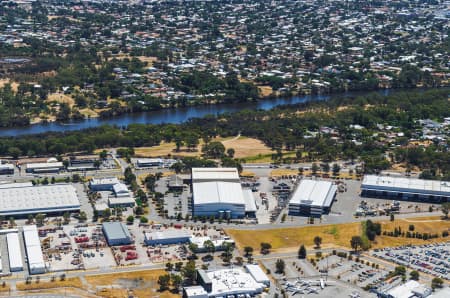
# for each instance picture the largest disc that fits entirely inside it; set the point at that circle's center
(314, 193)
(218, 193)
(218, 174)
(35, 199)
(232, 281)
(167, 234)
(33, 248)
(409, 184)
(249, 198)
(105, 181)
(14, 251)
(257, 273)
(45, 165)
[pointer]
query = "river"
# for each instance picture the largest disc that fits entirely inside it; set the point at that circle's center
(177, 115)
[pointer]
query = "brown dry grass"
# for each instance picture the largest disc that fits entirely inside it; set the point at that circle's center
(89, 113)
(74, 282)
(61, 98)
(283, 172)
(265, 90)
(14, 85)
(148, 277)
(289, 239)
(245, 147)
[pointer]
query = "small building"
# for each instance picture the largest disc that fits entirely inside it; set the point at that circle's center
(44, 167)
(149, 162)
(121, 202)
(166, 237)
(312, 198)
(33, 249)
(82, 165)
(177, 183)
(219, 244)
(215, 174)
(14, 252)
(194, 292)
(121, 190)
(6, 169)
(100, 207)
(116, 233)
(258, 274)
(409, 189)
(103, 184)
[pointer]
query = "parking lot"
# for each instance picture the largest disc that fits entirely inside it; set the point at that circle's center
(429, 258)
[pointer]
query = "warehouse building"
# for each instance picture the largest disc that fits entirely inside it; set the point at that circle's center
(410, 189)
(121, 190)
(194, 292)
(218, 192)
(45, 167)
(258, 274)
(121, 202)
(149, 162)
(33, 249)
(312, 198)
(14, 252)
(103, 184)
(22, 199)
(215, 174)
(116, 233)
(6, 169)
(227, 282)
(167, 237)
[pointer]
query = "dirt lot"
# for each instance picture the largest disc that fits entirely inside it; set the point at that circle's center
(265, 90)
(61, 98)
(69, 282)
(141, 283)
(289, 239)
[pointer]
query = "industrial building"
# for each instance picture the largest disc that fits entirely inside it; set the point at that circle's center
(121, 202)
(312, 198)
(45, 167)
(103, 184)
(82, 165)
(401, 188)
(215, 174)
(6, 169)
(21, 199)
(121, 190)
(258, 274)
(116, 233)
(194, 292)
(226, 282)
(410, 289)
(219, 244)
(167, 237)
(33, 249)
(149, 162)
(14, 252)
(218, 192)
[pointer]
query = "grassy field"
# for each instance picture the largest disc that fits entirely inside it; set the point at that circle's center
(289, 239)
(141, 283)
(243, 147)
(74, 282)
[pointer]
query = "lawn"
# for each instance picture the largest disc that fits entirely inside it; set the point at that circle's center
(289, 239)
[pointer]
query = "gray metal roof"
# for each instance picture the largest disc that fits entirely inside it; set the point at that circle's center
(116, 230)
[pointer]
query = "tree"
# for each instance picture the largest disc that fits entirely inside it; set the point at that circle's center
(356, 242)
(230, 152)
(280, 266)
(213, 150)
(445, 208)
(209, 246)
(265, 248)
(436, 283)
(143, 220)
(40, 218)
(189, 271)
(103, 154)
(248, 251)
(82, 216)
(392, 217)
(317, 241)
(164, 281)
(314, 169)
(130, 219)
(336, 169)
(177, 280)
(414, 275)
(302, 252)
(66, 217)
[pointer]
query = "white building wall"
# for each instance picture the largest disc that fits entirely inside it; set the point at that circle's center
(14, 252)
